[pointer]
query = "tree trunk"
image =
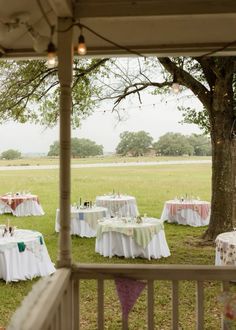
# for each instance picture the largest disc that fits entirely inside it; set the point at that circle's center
(223, 199)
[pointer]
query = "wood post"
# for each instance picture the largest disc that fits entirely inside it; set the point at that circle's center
(65, 58)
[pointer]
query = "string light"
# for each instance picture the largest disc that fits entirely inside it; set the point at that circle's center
(52, 58)
(82, 49)
(175, 88)
(175, 85)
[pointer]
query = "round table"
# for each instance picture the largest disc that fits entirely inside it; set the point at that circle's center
(225, 249)
(130, 239)
(83, 220)
(23, 255)
(121, 205)
(21, 205)
(187, 212)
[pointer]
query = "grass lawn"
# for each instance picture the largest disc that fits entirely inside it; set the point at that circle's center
(152, 186)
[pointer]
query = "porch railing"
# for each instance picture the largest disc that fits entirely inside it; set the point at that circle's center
(54, 303)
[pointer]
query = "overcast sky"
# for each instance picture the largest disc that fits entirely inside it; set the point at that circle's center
(153, 116)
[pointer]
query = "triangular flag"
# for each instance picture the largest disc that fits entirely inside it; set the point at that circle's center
(128, 291)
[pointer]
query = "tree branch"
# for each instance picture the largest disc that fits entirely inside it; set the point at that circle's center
(185, 79)
(136, 88)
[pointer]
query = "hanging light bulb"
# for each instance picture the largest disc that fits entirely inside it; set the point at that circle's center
(175, 85)
(82, 49)
(52, 58)
(175, 88)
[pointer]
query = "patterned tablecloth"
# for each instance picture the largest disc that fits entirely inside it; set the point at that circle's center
(124, 237)
(121, 205)
(188, 212)
(20, 205)
(226, 249)
(83, 220)
(142, 233)
(23, 255)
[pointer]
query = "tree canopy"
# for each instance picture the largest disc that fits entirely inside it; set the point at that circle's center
(30, 91)
(177, 144)
(134, 143)
(11, 154)
(173, 144)
(79, 148)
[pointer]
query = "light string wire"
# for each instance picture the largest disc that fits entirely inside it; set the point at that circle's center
(129, 50)
(227, 45)
(44, 14)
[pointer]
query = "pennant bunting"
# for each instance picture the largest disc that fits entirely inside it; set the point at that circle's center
(128, 291)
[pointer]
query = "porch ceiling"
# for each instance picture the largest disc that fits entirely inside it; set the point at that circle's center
(160, 27)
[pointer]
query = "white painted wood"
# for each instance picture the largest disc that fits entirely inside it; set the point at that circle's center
(150, 304)
(65, 60)
(175, 305)
(200, 305)
(56, 293)
(225, 288)
(75, 306)
(39, 307)
(155, 272)
(100, 304)
(62, 8)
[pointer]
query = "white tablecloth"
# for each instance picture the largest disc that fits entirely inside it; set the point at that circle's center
(193, 213)
(226, 249)
(24, 256)
(120, 205)
(21, 205)
(115, 243)
(83, 221)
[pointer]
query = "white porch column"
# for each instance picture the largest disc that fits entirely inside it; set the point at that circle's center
(65, 58)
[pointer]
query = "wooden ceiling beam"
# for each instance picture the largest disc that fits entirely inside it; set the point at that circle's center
(126, 8)
(62, 8)
(196, 49)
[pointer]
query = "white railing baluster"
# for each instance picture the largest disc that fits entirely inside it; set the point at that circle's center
(150, 304)
(225, 288)
(57, 319)
(100, 304)
(60, 314)
(69, 308)
(76, 309)
(175, 305)
(63, 319)
(54, 322)
(49, 305)
(200, 305)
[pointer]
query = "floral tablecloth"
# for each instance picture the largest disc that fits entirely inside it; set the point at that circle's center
(226, 249)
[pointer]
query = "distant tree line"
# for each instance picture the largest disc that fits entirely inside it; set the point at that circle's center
(10, 154)
(170, 144)
(79, 148)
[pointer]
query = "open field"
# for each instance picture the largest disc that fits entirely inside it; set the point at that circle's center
(152, 186)
(92, 160)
